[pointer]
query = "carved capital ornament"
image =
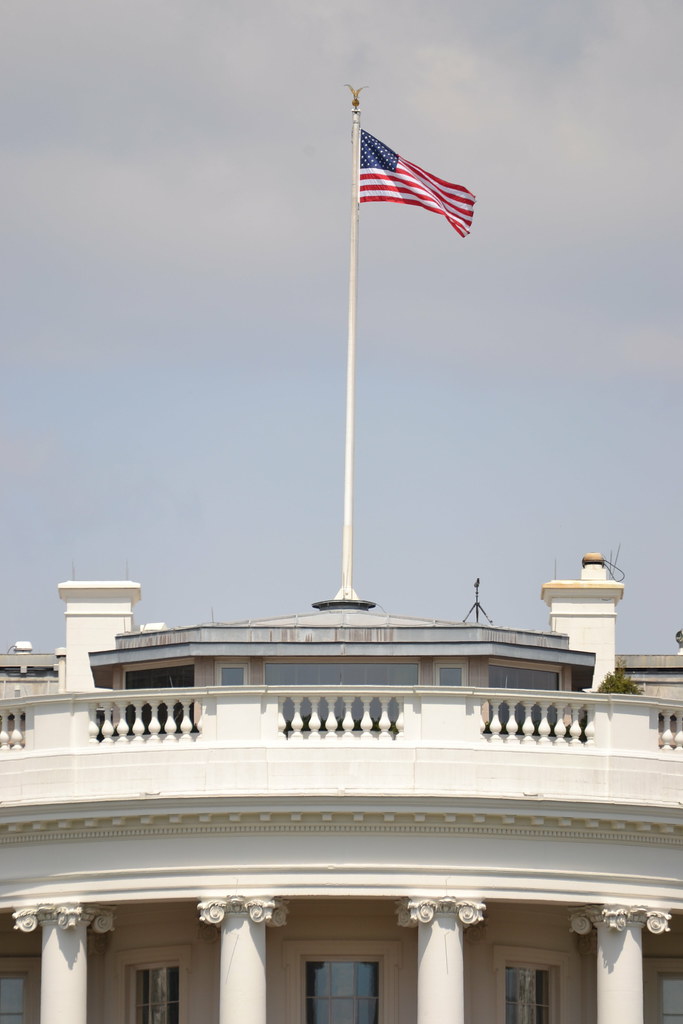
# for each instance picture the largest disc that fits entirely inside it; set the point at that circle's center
(413, 912)
(65, 916)
(261, 911)
(617, 918)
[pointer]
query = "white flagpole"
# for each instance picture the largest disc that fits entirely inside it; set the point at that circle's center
(346, 596)
(347, 593)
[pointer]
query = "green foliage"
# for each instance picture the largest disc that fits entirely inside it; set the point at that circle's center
(619, 682)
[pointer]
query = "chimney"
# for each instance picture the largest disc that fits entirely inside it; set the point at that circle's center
(585, 609)
(95, 612)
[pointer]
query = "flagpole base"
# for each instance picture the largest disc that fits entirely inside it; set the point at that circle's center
(342, 603)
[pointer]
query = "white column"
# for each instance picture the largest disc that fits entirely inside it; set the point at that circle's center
(440, 968)
(64, 963)
(620, 957)
(242, 921)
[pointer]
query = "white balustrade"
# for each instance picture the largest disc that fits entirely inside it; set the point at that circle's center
(540, 720)
(525, 719)
(143, 720)
(11, 728)
(345, 717)
(671, 729)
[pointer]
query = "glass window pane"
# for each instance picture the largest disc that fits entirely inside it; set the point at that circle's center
(173, 984)
(158, 985)
(366, 979)
(317, 1011)
(11, 995)
(527, 995)
(672, 995)
(343, 978)
(341, 1011)
(317, 979)
(142, 987)
(516, 678)
(450, 675)
(367, 1011)
(232, 675)
(336, 673)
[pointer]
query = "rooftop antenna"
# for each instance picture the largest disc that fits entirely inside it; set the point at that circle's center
(477, 606)
(613, 569)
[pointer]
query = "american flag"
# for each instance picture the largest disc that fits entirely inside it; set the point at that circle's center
(387, 177)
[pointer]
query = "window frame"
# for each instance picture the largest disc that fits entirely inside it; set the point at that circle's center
(27, 968)
(533, 666)
(556, 963)
(341, 660)
(462, 664)
(218, 673)
(297, 952)
(157, 665)
(654, 969)
(128, 962)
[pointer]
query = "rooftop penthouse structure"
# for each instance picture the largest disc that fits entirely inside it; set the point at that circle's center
(340, 817)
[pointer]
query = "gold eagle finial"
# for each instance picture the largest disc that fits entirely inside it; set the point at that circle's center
(356, 102)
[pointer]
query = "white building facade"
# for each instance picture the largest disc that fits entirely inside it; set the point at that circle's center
(341, 817)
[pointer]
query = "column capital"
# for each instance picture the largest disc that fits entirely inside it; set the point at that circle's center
(412, 912)
(272, 912)
(65, 916)
(617, 917)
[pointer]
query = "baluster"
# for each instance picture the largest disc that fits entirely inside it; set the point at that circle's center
(281, 722)
(93, 726)
(138, 725)
(347, 721)
(384, 720)
(199, 710)
(154, 727)
(528, 726)
(16, 736)
(170, 725)
(575, 727)
(4, 735)
(314, 723)
(331, 721)
(516, 722)
(544, 724)
(483, 720)
(399, 723)
(297, 723)
(673, 724)
(589, 727)
(107, 729)
(366, 720)
(560, 725)
(495, 724)
(667, 734)
(678, 738)
(185, 723)
(122, 727)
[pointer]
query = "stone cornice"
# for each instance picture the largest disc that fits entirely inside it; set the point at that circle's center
(535, 822)
(617, 917)
(413, 912)
(272, 912)
(65, 916)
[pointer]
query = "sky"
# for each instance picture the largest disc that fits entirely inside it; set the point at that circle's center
(173, 302)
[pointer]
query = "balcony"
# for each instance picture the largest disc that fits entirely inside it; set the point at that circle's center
(404, 742)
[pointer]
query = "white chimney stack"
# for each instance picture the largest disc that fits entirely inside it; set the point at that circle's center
(95, 612)
(585, 610)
